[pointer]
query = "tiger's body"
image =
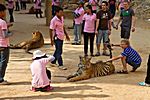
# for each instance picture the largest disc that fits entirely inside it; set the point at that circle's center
(37, 41)
(89, 70)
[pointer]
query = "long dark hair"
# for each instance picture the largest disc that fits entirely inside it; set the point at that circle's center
(90, 7)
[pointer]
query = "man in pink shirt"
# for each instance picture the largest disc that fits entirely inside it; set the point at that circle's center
(40, 81)
(78, 15)
(57, 32)
(4, 42)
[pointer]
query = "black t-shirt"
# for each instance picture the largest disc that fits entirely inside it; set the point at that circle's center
(104, 17)
(126, 16)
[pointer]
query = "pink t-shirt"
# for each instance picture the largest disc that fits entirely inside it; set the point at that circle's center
(4, 42)
(38, 70)
(57, 26)
(93, 3)
(81, 12)
(89, 26)
(10, 4)
(36, 4)
(55, 2)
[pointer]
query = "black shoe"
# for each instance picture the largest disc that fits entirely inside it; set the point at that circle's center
(74, 43)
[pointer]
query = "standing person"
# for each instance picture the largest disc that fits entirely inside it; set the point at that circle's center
(21, 4)
(55, 4)
(128, 56)
(11, 9)
(17, 5)
(78, 15)
(103, 28)
(147, 79)
(57, 33)
(40, 81)
(24, 6)
(37, 7)
(128, 21)
(4, 42)
(93, 3)
(112, 7)
(89, 20)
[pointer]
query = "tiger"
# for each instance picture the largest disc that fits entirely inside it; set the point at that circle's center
(88, 70)
(37, 41)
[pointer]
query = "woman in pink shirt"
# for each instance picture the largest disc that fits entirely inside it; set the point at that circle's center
(37, 7)
(89, 29)
(40, 80)
(93, 3)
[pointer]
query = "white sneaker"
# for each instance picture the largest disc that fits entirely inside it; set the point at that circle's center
(62, 67)
(4, 83)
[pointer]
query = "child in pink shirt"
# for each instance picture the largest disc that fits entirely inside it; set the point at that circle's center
(40, 80)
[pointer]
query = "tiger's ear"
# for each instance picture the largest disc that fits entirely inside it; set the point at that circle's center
(88, 58)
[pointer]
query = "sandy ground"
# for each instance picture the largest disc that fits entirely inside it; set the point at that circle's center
(113, 87)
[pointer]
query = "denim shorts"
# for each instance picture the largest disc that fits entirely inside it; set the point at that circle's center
(102, 34)
(133, 64)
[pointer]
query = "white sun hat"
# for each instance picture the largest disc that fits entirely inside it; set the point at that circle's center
(38, 53)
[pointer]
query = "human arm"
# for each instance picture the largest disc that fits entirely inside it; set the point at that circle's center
(67, 36)
(119, 20)
(97, 25)
(51, 37)
(133, 21)
(114, 58)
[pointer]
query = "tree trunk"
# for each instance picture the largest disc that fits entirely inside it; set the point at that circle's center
(48, 11)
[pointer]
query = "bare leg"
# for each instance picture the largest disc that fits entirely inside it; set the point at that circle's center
(123, 59)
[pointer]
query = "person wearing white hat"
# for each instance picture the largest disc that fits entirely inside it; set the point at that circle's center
(40, 80)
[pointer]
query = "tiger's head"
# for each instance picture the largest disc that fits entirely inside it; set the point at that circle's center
(85, 62)
(37, 35)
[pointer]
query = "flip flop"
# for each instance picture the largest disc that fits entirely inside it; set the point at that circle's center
(122, 72)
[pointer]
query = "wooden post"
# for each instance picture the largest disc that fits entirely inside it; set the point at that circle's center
(48, 11)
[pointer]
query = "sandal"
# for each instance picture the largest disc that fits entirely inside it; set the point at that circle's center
(122, 72)
(144, 84)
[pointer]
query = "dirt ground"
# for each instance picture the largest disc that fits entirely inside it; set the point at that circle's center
(112, 87)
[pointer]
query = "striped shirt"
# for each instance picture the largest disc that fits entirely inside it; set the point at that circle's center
(131, 55)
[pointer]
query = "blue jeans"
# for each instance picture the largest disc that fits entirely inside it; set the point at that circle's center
(4, 57)
(102, 34)
(77, 32)
(58, 52)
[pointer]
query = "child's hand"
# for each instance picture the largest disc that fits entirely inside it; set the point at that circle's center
(133, 29)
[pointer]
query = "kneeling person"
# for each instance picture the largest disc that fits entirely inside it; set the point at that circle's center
(128, 56)
(40, 80)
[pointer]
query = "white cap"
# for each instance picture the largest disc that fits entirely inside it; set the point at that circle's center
(38, 53)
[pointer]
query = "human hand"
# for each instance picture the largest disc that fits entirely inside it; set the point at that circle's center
(109, 32)
(52, 42)
(67, 38)
(133, 29)
(96, 32)
(116, 27)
